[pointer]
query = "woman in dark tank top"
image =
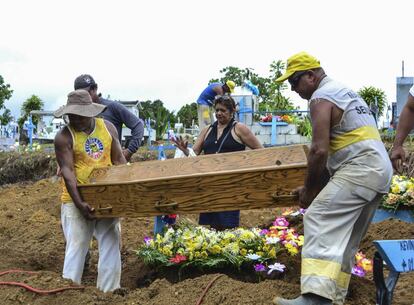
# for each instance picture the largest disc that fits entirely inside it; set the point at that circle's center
(224, 135)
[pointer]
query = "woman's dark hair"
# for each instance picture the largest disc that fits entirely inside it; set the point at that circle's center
(227, 101)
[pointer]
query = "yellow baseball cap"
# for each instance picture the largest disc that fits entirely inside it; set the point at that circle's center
(299, 62)
(231, 85)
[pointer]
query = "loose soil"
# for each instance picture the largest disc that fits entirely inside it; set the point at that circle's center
(31, 239)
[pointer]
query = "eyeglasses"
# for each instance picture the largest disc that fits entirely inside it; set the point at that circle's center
(293, 81)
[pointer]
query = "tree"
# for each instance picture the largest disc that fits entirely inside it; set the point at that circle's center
(238, 76)
(6, 117)
(159, 116)
(187, 114)
(372, 96)
(32, 103)
(275, 100)
(270, 91)
(5, 92)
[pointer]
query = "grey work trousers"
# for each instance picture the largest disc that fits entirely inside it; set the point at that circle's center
(334, 224)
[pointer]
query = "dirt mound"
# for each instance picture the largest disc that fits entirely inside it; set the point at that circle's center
(29, 166)
(18, 167)
(31, 239)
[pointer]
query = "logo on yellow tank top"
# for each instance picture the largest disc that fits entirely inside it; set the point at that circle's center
(94, 148)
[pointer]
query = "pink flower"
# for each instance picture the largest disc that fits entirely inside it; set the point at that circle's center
(147, 240)
(264, 232)
(358, 271)
(281, 222)
(178, 259)
(259, 267)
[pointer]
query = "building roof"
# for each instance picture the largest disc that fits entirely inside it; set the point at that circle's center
(41, 112)
(129, 103)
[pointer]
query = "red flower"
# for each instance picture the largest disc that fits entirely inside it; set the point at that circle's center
(178, 259)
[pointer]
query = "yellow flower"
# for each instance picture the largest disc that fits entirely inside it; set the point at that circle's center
(229, 236)
(233, 248)
(366, 264)
(166, 251)
(204, 254)
(224, 242)
(190, 247)
(395, 189)
(243, 252)
(291, 249)
(359, 256)
(247, 236)
(272, 253)
(216, 249)
(300, 240)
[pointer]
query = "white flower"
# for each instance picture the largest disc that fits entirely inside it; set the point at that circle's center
(403, 186)
(276, 267)
(272, 240)
(253, 257)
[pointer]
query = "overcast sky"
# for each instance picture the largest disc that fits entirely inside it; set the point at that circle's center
(169, 50)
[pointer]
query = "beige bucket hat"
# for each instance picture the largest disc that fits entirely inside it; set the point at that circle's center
(80, 103)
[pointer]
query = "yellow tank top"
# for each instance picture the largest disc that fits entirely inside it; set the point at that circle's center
(89, 152)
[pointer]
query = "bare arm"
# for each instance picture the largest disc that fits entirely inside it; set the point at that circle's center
(317, 174)
(218, 90)
(64, 157)
(405, 125)
(182, 144)
(198, 145)
(247, 137)
(117, 156)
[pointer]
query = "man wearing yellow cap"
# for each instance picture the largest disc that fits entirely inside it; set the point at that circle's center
(206, 98)
(348, 172)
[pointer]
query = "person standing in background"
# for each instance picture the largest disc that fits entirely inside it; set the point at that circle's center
(116, 113)
(206, 99)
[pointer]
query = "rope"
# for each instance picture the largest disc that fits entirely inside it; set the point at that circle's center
(200, 299)
(32, 289)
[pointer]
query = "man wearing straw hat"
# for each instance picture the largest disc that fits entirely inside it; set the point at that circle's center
(84, 144)
(348, 172)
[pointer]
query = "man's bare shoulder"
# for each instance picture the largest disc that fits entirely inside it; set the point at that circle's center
(63, 137)
(109, 125)
(111, 129)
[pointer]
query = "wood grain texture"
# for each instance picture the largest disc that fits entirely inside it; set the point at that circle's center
(242, 180)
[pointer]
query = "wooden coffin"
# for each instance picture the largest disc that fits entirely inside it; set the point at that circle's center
(250, 179)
